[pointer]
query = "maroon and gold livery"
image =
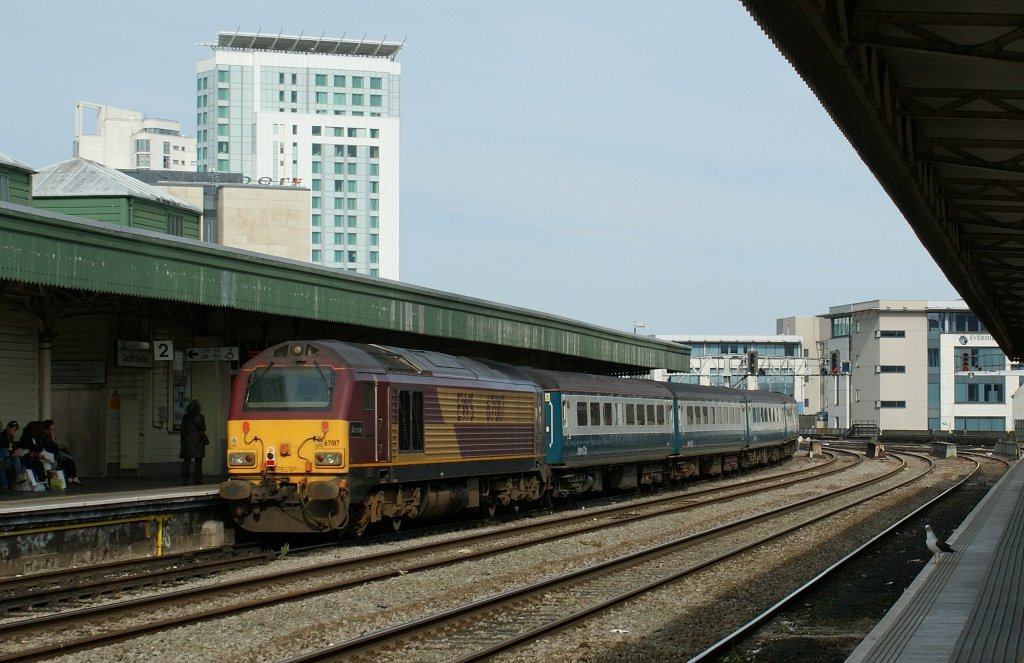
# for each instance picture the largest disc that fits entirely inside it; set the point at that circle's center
(326, 435)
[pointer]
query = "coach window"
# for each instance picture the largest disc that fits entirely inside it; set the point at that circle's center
(581, 414)
(661, 415)
(696, 415)
(410, 421)
(607, 419)
(689, 415)
(595, 414)
(630, 417)
(640, 420)
(707, 419)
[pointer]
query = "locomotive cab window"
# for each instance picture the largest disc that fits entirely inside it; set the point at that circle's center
(289, 387)
(410, 421)
(368, 396)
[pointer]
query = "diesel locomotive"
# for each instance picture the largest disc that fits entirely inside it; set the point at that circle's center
(335, 436)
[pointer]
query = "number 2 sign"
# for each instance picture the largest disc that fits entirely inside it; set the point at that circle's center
(163, 350)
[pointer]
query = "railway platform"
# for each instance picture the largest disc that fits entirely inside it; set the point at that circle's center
(968, 605)
(107, 519)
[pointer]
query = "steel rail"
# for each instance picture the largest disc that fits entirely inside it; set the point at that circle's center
(380, 639)
(719, 648)
(60, 621)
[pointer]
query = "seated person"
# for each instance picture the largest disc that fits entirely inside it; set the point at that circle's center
(29, 449)
(64, 460)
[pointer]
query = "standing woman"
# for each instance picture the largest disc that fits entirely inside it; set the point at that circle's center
(193, 442)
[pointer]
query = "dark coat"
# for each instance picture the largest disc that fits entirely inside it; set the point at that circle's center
(193, 432)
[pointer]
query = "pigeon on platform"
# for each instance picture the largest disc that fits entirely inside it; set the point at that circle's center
(935, 544)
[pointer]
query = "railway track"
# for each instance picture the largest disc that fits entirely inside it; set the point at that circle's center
(498, 623)
(66, 587)
(730, 642)
(362, 570)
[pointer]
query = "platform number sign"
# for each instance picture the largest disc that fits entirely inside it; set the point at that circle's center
(163, 350)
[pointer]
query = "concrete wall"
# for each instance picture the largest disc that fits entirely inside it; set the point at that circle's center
(271, 220)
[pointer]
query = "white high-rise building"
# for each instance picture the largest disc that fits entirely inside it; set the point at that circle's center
(126, 139)
(321, 113)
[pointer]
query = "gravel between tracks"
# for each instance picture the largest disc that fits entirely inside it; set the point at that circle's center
(670, 624)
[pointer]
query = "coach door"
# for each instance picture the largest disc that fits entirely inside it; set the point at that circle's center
(375, 399)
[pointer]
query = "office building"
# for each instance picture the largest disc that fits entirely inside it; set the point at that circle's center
(321, 113)
(779, 363)
(917, 365)
(121, 139)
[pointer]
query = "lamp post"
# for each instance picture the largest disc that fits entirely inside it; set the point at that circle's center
(637, 325)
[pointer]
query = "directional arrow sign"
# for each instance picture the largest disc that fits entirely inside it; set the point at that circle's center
(211, 354)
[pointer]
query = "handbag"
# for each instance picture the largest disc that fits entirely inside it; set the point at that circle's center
(57, 481)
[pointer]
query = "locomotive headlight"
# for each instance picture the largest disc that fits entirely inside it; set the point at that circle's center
(328, 458)
(246, 459)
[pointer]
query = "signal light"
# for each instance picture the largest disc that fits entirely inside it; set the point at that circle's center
(323, 427)
(245, 427)
(271, 458)
(965, 362)
(833, 363)
(752, 363)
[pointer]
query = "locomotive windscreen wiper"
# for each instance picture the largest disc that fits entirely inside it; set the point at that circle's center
(256, 378)
(330, 386)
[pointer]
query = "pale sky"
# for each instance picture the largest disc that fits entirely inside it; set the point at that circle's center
(603, 161)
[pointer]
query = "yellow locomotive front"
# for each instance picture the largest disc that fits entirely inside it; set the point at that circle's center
(288, 442)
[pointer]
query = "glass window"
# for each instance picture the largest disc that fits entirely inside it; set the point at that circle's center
(581, 414)
(352, 186)
(339, 185)
(374, 239)
(641, 415)
(289, 388)
(353, 256)
(892, 369)
(841, 326)
(316, 219)
(339, 81)
(357, 81)
(318, 149)
(316, 238)
(321, 79)
(374, 222)
(321, 97)
(352, 151)
(317, 131)
(352, 220)
(374, 256)
(339, 99)
(375, 83)
(606, 417)
(374, 152)
(316, 185)
(357, 100)
(223, 111)
(892, 404)
(316, 255)
(595, 414)
(375, 100)
(630, 414)
(223, 94)
(353, 238)
(374, 133)
(374, 170)
(374, 186)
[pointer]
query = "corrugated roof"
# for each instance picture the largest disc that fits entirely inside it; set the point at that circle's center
(55, 249)
(81, 177)
(11, 161)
